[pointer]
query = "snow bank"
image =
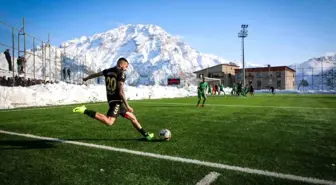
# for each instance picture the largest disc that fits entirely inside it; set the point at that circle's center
(63, 93)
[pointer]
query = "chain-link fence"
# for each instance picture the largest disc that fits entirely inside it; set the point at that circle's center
(26, 56)
(322, 78)
(317, 78)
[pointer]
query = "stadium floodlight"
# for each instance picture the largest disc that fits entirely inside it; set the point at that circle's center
(242, 34)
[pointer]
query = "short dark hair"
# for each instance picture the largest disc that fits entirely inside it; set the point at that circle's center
(121, 60)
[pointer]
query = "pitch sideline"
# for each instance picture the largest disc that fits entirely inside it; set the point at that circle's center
(184, 160)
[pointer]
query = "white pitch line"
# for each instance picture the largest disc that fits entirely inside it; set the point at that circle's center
(208, 179)
(184, 160)
(170, 103)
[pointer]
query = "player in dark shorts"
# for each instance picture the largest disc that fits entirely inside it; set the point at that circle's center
(239, 88)
(272, 88)
(114, 81)
(251, 90)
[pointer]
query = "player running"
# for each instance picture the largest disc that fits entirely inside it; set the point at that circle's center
(201, 92)
(221, 89)
(114, 82)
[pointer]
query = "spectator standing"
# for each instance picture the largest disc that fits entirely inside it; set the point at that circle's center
(9, 59)
(69, 73)
(23, 64)
(19, 64)
(64, 73)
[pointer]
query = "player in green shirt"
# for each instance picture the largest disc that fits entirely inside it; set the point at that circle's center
(234, 90)
(245, 90)
(209, 89)
(201, 92)
(221, 89)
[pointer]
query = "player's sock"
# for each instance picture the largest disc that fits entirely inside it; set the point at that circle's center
(198, 102)
(203, 102)
(143, 132)
(90, 113)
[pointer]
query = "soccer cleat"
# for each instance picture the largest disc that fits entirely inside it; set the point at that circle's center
(80, 109)
(150, 136)
(203, 105)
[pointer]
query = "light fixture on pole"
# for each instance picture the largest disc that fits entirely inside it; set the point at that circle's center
(242, 34)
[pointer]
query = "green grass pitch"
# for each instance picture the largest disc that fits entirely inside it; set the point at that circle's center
(290, 134)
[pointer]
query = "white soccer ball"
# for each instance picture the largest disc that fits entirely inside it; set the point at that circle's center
(165, 134)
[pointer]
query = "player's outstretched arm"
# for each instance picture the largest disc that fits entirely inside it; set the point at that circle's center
(94, 75)
(123, 96)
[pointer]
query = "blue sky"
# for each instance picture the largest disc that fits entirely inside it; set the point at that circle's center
(281, 32)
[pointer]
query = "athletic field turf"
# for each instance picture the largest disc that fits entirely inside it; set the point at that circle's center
(281, 139)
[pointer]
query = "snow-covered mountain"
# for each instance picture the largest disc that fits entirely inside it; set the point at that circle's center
(154, 55)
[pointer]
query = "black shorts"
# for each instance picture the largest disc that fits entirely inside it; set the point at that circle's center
(116, 109)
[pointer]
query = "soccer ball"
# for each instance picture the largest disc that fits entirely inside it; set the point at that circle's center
(165, 134)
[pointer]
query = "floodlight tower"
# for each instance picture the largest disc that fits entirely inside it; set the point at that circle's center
(242, 34)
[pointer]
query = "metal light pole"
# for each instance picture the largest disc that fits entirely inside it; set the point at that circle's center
(242, 34)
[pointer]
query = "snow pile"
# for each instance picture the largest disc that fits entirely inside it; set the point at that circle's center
(63, 93)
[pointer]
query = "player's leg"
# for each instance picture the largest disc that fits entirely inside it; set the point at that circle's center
(199, 98)
(204, 98)
(107, 120)
(130, 116)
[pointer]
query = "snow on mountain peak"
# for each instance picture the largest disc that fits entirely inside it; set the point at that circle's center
(154, 54)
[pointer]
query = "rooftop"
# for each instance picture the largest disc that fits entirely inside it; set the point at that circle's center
(232, 65)
(262, 69)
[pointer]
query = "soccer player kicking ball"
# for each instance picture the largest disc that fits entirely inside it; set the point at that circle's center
(114, 82)
(201, 92)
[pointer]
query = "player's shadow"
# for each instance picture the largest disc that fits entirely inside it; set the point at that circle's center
(26, 144)
(115, 139)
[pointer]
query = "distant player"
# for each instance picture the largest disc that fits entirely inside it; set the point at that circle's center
(239, 88)
(272, 89)
(221, 89)
(246, 90)
(114, 82)
(233, 91)
(251, 90)
(209, 89)
(214, 90)
(201, 92)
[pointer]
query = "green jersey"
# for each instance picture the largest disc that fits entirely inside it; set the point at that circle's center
(203, 86)
(234, 87)
(221, 87)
